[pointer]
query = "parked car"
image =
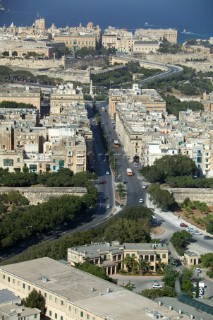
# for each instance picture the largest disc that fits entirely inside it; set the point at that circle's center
(107, 173)
(183, 225)
(156, 285)
(198, 270)
(207, 238)
(144, 187)
(141, 200)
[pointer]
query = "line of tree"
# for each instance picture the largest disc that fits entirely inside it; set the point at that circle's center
(13, 104)
(162, 198)
(132, 225)
(189, 182)
(63, 178)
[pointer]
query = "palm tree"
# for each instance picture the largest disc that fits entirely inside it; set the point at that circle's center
(143, 265)
(129, 263)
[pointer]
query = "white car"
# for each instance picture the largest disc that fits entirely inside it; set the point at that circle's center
(156, 285)
(141, 200)
(107, 173)
(198, 270)
(144, 187)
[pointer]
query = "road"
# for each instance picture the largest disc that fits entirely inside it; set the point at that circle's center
(170, 69)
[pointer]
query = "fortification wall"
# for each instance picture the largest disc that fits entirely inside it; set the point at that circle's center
(42, 194)
(199, 194)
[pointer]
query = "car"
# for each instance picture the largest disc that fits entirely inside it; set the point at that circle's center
(207, 238)
(107, 173)
(108, 206)
(190, 229)
(144, 187)
(197, 270)
(183, 225)
(156, 285)
(135, 164)
(141, 200)
(102, 182)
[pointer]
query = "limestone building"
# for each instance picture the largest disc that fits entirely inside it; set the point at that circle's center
(71, 294)
(111, 255)
(150, 99)
(25, 94)
(157, 34)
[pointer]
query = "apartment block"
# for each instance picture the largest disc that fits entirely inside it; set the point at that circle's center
(111, 255)
(157, 34)
(146, 47)
(71, 294)
(62, 97)
(150, 99)
(20, 94)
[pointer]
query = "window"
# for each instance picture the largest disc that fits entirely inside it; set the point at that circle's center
(8, 279)
(164, 256)
(61, 318)
(50, 297)
(82, 314)
(146, 258)
(18, 159)
(151, 258)
(62, 302)
(23, 285)
(54, 160)
(35, 315)
(3, 276)
(50, 313)
(56, 315)
(8, 162)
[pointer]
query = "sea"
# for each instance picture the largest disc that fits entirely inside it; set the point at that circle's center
(192, 18)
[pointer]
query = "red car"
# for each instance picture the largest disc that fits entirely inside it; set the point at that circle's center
(102, 182)
(182, 224)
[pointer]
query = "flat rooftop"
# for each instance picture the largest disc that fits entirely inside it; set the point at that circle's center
(75, 286)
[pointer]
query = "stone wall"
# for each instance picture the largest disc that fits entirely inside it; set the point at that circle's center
(32, 63)
(183, 59)
(199, 194)
(42, 194)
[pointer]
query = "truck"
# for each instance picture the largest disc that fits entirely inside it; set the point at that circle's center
(129, 172)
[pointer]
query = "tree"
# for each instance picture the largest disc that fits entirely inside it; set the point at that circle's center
(180, 240)
(207, 260)
(129, 263)
(166, 291)
(186, 284)
(121, 190)
(14, 53)
(169, 166)
(143, 265)
(35, 300)
(162, 198)
(170, 277)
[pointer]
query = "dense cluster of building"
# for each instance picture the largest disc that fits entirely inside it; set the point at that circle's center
(61, 140)
(147, 132)
(50, 42)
